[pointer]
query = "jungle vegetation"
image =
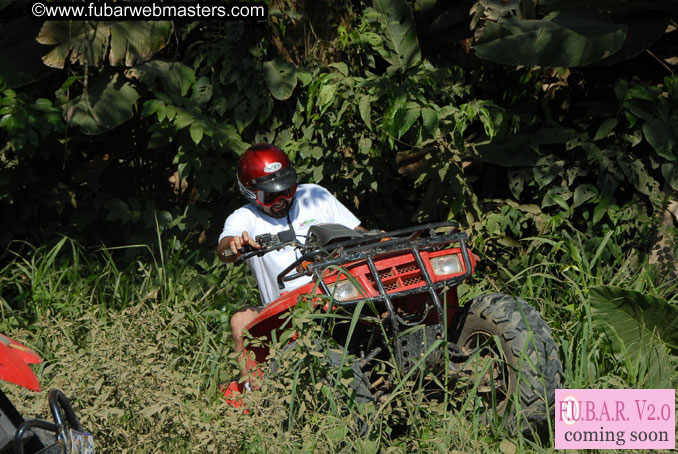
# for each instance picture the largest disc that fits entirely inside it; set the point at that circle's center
(547, 128)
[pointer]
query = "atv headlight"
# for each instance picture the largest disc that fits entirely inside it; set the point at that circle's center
(345, 291)
(446, 264)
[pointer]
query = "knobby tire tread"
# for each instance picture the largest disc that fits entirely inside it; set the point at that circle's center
(512, 316)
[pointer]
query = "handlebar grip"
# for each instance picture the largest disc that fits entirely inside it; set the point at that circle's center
(228, 253)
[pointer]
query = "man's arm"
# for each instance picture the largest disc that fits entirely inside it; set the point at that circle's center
(234, 244)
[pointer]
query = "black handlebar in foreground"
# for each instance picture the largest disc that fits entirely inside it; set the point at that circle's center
(61, 411)
(268, 242)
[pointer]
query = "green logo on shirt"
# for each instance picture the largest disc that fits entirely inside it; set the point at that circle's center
(306, 223)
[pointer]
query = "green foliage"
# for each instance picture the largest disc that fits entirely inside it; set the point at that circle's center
(418, 135)
(135, 142)
(640, 329)
(89, 43)
(281, 78)
(107, 103)
(567, 34)
(141, 350)
(566, 39)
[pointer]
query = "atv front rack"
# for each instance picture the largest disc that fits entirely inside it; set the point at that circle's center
(370, 248)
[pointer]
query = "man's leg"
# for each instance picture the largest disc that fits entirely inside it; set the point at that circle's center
(239, 322)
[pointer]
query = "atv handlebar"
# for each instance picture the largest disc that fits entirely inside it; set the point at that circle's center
(268, 242)
(375, 242)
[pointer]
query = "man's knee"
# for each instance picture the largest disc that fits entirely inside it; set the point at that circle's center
(240, 319)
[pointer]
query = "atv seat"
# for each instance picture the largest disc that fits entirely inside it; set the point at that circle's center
(322, 235)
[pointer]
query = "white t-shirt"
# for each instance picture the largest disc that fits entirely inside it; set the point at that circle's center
(312, 205)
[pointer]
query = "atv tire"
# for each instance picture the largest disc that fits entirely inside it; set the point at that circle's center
(528, 358)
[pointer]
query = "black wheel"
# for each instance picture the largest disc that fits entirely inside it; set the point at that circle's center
(526, 364)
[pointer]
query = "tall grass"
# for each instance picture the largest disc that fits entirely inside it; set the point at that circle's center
(141, 348)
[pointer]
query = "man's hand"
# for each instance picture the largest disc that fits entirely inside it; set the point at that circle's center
(234, 244)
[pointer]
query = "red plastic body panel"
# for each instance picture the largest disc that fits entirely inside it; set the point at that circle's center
(14, 360)
(270, 317)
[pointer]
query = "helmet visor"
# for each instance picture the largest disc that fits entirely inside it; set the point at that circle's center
(268, 199)
(270, 188)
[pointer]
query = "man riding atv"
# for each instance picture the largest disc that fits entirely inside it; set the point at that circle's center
(398, 288)
(268, 180)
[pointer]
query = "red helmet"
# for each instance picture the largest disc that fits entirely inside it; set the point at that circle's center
(265, 174)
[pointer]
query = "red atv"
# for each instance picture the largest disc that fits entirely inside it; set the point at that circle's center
(404, 283)
(63, 436)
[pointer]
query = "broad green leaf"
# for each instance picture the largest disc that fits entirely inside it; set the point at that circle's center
(118, 210)
(365, 446)
(280, 77)
(196, 131)
(557, 195)
(606, 127)
(245, 112)
(228, 137)
(137, 41)
(318, 174)
(326, 95)
(316, 152)
(337, 434)
(202, 91)
(671, 84)
(658, 133)
(365, 145)
(150, 107)
(265, 109)
(546, 170)
(304, 77)
(365, 110)
(183, 119)
(341, 67)
(175, 78)
(400, 33)
(583, 193)
(639, 326)
(670, 173)
(108, 102)
(500, 6)
(90, 42)
(184, 169)
(430, 119)
(601, 208)
(508, 242)
(516, 178)
(425, 5)
(643, 30)
(395, 109)
(638, 176)
(642, 93)
(567, 38)
(514, 151)
(405, 119)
